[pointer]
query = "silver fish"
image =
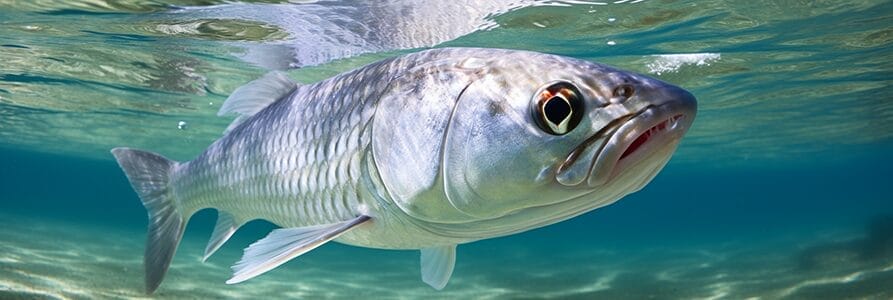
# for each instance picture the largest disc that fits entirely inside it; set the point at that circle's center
(422, 151)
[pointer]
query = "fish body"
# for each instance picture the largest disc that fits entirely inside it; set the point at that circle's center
(422, 151)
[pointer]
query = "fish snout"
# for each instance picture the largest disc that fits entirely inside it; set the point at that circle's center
(647, 135)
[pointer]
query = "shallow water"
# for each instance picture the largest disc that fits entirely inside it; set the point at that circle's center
(779, 190)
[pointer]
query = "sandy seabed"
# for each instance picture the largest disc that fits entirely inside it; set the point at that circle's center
(52, 259)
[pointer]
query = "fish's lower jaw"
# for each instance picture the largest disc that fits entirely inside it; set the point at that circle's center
(650, 136)
(643, 166)
(664, 127)
(656, 145)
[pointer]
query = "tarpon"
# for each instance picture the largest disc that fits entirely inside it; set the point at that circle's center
(423, 151)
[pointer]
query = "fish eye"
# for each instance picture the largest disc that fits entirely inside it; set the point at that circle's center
(558, 108)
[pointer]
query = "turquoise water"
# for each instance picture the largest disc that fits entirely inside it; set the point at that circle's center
(780, 190)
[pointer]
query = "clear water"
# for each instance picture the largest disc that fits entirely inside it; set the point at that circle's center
(781, 189)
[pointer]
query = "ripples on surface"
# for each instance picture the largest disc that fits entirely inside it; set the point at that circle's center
(777, 80)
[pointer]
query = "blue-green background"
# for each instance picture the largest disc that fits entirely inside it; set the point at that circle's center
(780, 190)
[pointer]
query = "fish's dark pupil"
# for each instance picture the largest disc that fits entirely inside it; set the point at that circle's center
(556, 110)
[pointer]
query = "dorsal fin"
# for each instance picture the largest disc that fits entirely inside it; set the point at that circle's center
(252, 97)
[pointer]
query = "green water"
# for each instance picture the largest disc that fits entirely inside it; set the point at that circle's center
(780, 189)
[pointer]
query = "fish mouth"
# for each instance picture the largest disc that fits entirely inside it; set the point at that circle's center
(646, 136)
(626, 142)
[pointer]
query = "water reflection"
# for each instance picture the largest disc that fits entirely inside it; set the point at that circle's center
(777, 82)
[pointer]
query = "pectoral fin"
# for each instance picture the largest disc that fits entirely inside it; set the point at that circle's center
(437, 265)
(281, 245)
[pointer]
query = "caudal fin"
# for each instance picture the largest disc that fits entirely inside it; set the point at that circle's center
(149, 174)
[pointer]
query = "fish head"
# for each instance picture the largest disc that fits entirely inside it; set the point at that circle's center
(535, 132)
(488, 141)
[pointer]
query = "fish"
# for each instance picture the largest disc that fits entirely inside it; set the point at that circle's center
(425, 151)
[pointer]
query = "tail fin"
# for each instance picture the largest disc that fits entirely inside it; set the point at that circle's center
(149, 174)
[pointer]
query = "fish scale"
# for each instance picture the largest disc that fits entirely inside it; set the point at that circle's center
(267, 164)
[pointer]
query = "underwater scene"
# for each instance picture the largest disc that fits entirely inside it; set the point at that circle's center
(780, 189)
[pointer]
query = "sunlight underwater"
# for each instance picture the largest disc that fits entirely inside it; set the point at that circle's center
(778, 191)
